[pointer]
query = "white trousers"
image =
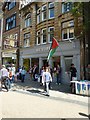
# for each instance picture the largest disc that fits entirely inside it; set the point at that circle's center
(47, 87)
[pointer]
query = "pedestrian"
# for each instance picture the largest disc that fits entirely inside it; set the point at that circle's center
(13, 73)
(23, 73)
(4, 75)
(73, 71)
(31, 72)
(46, 78)
(41, 73)
(51, 72)
(58, 74)
(35, 72)
(73, 76)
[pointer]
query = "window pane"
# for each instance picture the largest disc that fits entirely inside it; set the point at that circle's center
(71, 33)
(51, 12)
(51, 5)
(66, 7)
(44, 15)
(64, 35)
(44, 36)
(39, 40)
(11, 22)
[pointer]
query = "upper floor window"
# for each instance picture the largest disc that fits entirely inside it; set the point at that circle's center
(11, 22)
(50, 34)
(11, 4)
(66, 7)
(44, 12)
(38, 16)
(51, 10)
(43, 35)
(26, 39)
(28, 20)
(38, 38)
(68, 30)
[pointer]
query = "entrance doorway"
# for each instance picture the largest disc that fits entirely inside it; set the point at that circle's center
(68, 61)
(45, 63)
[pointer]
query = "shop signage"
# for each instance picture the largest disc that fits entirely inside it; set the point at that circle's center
(42, 49)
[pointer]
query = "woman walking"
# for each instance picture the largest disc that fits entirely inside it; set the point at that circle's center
(46, 79)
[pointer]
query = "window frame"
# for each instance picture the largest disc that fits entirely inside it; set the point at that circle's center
(66, 26)
(9, 22)
(28, 20)
(49, 33)
(38, 35)
(11, 5)
(26, 38)
(67, 9)
(38, 15)
(43, 11)
(50, 8)
(42, 36)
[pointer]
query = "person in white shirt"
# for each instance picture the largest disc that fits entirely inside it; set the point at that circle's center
(13, 72)
(4, 75)
(4, 71)
(46, 79)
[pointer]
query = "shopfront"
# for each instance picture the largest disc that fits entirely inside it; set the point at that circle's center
(63, 56)
(9, 57)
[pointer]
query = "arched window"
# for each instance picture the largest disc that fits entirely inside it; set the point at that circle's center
(28, 20)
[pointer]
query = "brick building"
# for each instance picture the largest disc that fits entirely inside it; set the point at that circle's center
(40, 21)
(11, 33)
(1, 28)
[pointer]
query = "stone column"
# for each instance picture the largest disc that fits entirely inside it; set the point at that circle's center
(40, 63)
(62, 68)
(30, 62)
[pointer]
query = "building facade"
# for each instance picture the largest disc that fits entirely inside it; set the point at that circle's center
(40, 22)
(11, 33)
(1, 29)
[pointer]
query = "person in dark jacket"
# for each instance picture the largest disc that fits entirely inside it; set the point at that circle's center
(35, 72)
(73, 71)
(73, 74)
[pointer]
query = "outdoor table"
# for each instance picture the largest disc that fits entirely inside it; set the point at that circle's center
(81, 87)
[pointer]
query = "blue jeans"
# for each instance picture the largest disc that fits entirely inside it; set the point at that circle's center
(13, 78)
(22, 78)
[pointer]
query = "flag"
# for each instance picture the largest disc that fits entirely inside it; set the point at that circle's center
(53, 48)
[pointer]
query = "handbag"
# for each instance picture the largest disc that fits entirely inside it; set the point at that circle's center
(36, 76)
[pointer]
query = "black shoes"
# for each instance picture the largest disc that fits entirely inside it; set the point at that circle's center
(47, 95)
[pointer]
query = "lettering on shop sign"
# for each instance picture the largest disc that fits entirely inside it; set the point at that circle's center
(42, 49)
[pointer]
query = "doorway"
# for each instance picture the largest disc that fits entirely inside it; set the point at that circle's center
(68, 61)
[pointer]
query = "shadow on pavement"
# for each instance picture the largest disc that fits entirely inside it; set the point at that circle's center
(29, 83)
(85, 115)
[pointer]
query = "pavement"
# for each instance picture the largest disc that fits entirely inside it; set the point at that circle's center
(58, 92)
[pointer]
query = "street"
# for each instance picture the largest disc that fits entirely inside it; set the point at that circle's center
(26, 100)
(18, 105)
